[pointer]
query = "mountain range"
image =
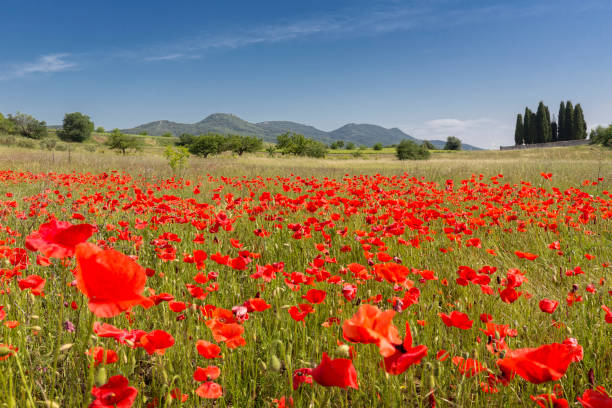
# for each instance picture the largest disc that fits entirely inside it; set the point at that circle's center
(225, 123)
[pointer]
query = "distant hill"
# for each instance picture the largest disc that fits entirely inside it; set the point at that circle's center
(360, 134)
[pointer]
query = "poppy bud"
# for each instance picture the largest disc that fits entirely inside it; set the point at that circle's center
(574, 287)
(5, 351)
(101, 376)
(343, 351)
(502, 354)
(275, 364)
(592, 377)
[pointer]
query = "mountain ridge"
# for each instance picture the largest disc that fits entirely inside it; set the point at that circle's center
(227, 123)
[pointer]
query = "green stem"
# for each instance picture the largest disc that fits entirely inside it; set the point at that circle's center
(23, 379)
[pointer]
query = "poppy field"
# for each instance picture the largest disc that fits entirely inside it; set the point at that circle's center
(119, 290)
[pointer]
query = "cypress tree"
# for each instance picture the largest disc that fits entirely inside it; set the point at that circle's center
(579, 123)
(561, 128)
(542, 125)
(526, 119)
(533, 127)
(569, 121)
(548, 135)
(554, 132)
(519, 130)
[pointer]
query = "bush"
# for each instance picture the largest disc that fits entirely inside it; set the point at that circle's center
(378, 146)
(100, 129)
(8, 140)
(452, 143)
(167, 134)
(428, 145)
(26, 144)
(409, 150)
(177, 157)
(299, 145)
(601, 136)
(339, 144)
(6, 126)
(350, 146)
(242, 144)
(48, 143)
(76, 128)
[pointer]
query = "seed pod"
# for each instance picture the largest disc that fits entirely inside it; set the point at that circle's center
(275, 364)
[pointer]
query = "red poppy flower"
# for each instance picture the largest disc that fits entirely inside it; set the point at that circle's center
(526, 255)
(157, 342)
(597, 398)
(605, 309)
(2, 313)
(371, 325)
(112, 281)
(301, 376)
(35, 283)
(391, 272)
(206, 374)
(209, 390)
(468, 367)
(208, 350)
(457, 319)
(549, 401)
(405, 356)
(116, 393)
(230, 333)
(102, 356)
(537, 365)
(548, 305)
(315, 296)
(335, 373)
(58, 239)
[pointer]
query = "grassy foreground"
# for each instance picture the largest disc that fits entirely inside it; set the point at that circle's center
(330, 223)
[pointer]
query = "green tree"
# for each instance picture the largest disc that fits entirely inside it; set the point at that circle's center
(569, 121)
(206, 145)
(561, 122)
(452, 143)
(428, 145)
(100, 129)
(554, 130)
(409, 150)
(26, 125)
(185, 139)
(243, 144)
(338, 144)
(527, 126)
(299, 145)
(542, 125)
(76, 127)
(6, 126)
(350, 146)
(121, 142)
(602, 136)
(519, 130)
(580, 126)
(377, 146)
(167, 134)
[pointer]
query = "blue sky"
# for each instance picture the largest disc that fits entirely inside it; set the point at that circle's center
(433, 68)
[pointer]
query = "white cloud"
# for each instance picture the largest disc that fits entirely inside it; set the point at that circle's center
(482, 132)
(45, 63)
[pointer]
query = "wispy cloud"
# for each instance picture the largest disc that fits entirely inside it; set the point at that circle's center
(482, 132)
(45, 63)
(171, 57)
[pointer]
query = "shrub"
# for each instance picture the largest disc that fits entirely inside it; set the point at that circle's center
(299, 145)
(409, 150)
(177, 157)
(601, 136)
(428, 145)
(119, 141)
(378, 146)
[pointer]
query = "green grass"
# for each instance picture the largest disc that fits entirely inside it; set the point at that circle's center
(55, 369)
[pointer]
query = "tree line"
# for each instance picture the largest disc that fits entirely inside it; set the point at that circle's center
(539, 128)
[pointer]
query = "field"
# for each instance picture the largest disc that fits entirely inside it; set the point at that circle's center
(474, 279)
